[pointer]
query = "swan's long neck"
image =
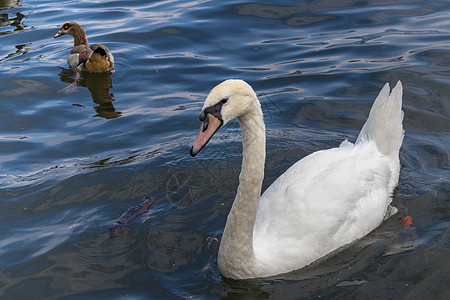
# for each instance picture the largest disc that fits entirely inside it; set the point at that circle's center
(236, 255)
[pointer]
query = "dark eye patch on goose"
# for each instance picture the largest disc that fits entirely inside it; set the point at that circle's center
(66, 27)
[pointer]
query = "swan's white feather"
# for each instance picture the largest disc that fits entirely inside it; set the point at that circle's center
(332, 197)
(323, 202)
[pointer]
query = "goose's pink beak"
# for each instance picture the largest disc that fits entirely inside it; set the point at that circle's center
(58, 34)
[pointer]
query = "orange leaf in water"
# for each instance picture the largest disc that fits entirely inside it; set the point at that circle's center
(405, 220)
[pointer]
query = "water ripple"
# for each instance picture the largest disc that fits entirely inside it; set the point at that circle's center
(73, 163)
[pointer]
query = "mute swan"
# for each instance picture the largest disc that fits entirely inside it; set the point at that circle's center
(326, 200)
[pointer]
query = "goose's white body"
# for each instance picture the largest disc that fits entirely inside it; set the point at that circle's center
(323, 202)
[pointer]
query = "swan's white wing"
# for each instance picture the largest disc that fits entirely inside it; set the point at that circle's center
(323, 202)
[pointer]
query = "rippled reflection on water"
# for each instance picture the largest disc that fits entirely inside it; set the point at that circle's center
(72, 163)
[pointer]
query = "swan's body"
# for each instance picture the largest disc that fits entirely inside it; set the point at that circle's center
(323, 202)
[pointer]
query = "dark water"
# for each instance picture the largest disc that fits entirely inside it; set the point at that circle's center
(71, 164)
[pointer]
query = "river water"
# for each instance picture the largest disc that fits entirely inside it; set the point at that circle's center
(72, 164)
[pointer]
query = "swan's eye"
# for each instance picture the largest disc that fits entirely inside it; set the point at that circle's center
(223, 101)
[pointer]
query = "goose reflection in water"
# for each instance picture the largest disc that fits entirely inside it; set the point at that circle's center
(98, 85)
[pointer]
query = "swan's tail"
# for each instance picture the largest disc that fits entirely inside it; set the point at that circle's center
(384, 124)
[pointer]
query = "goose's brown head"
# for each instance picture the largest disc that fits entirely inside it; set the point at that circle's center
(71, 28)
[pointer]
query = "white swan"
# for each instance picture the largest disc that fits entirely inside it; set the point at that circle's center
(324, 201)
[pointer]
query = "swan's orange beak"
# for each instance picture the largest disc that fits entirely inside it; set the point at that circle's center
(209, 126)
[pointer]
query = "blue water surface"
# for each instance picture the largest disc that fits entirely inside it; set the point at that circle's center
(72, 164)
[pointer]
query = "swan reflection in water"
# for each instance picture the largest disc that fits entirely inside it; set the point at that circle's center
(98, 85)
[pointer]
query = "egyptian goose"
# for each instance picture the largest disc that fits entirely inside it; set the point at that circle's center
(95, 58)
(323, 202)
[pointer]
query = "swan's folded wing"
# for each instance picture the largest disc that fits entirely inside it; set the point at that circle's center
(326, 200)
